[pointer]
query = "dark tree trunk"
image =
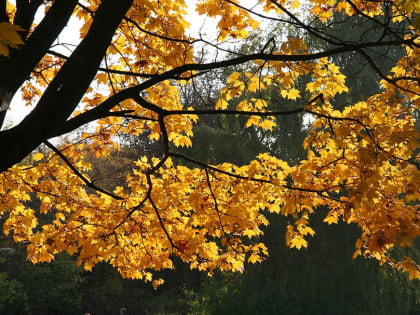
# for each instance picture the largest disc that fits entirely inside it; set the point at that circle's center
(68, 87)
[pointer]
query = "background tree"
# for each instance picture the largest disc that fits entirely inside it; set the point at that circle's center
(360, 162)
(278, 286)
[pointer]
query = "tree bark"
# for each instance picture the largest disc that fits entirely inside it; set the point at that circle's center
(67, 89)
(18, 67)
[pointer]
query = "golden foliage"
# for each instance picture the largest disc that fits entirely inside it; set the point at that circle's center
(359, 164)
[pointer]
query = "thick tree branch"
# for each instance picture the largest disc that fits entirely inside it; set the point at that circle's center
(16, 69)
(106, 70)
(68, 87)
(24, 60)
(133, 92)
(25, 14)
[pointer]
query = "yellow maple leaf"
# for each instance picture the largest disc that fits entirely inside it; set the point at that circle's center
(298, 242)
(291, 94)
(254, 258)
(295, 4)
(38, 156)
(331, 218)
(267, 124)
(9, 37)
(221, 104)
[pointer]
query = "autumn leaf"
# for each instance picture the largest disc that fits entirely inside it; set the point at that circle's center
(267, 124)
(298, 242)
(291, 94)
(38, 156)
(9, 37)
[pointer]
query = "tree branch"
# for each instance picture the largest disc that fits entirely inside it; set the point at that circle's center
(67, 88)
(133, 92)
(155, 208)
(216, 206)
(25, 14)
(80, 175)
(113, 71)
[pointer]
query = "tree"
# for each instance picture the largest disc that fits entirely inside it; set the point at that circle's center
(125, 75)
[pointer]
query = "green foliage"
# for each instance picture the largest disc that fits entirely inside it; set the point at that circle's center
(13, 299)
(52, 288)
(310, 282)
(39, 289)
